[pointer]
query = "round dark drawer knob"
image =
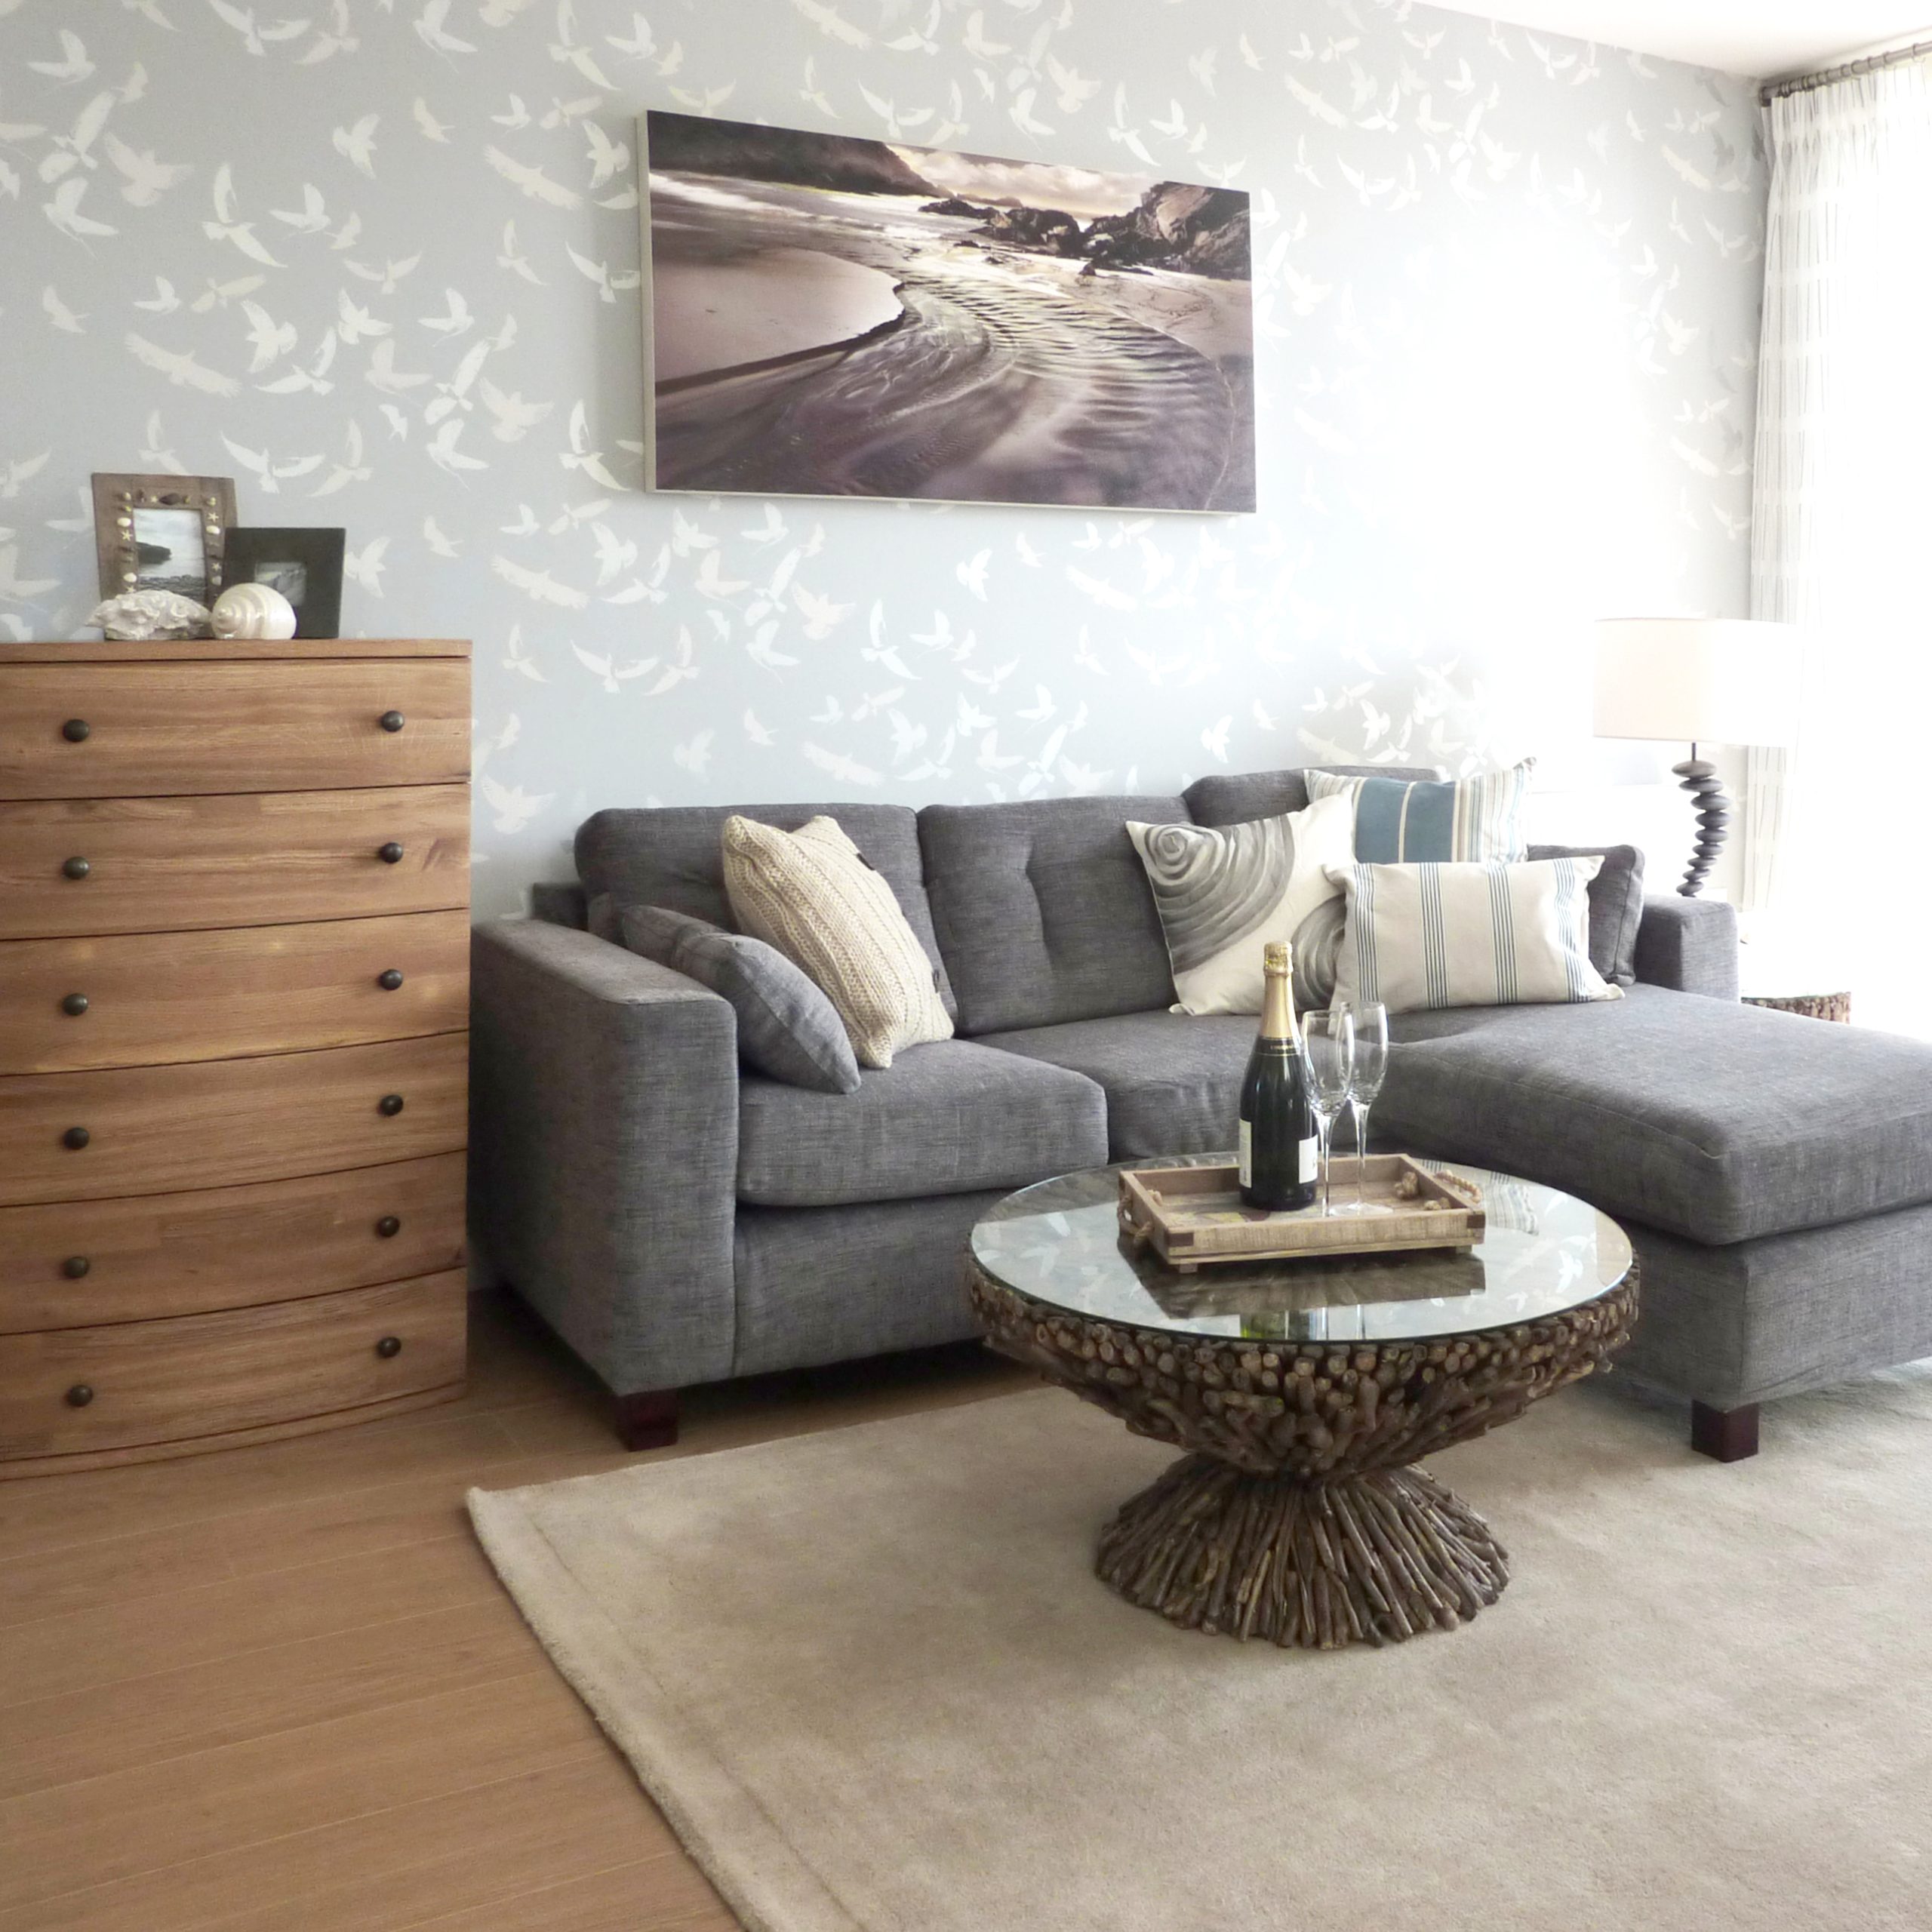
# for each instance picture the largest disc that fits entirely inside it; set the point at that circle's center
(74, 1005)
(79, 1396)
(76, 868)
(75, 730)
(389, 1226)
(390, 854)
(388, 981)
(389, 1346)
(390, 1103)
(76, 1138)
(74, 1266)
(391, 720)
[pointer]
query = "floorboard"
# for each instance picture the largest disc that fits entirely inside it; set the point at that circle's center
(279, 1688)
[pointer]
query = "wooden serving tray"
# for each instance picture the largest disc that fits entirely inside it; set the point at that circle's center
(1193, 1216)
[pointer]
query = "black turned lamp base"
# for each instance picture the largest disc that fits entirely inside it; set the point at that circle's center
(1700, 779)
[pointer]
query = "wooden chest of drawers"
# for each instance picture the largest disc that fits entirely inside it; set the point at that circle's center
(234, 1000)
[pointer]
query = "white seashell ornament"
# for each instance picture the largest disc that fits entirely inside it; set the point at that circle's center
(136, 617)
(254, 610)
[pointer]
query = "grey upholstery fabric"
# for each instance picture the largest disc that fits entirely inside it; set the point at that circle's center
(1043, 911)
(946, 1117)
(1232, 797)
(818, 1284)
(1719, 1122)
(604, 1149)
(1172, 1081)
(1784, 1314)
(787, 1029)
(669, 856)
(1616, 905)
(1689, 945)
(562, 903)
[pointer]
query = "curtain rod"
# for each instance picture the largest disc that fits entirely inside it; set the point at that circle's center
(1872, 64)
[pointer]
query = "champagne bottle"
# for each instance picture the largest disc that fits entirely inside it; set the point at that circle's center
(1278, 1147)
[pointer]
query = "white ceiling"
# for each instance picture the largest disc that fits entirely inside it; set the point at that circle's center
(1758, 37)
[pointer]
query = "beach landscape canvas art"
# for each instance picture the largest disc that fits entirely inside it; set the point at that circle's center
(828, 315)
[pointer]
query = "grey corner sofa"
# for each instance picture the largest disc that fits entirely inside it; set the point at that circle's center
(677, 1219)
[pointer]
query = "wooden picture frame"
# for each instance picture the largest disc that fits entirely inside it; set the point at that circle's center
(184, 519)
(304, 563)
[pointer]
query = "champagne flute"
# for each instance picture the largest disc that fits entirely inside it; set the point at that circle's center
(1328, 1043)
(1371, 1067)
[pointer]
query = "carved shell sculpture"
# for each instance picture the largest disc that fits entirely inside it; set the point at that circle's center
(136, 616)
(254, 610)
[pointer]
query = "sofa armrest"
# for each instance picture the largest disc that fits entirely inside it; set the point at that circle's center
(604, 1143)
(1690, 945)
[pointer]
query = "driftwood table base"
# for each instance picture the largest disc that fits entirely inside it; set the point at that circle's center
(1298, 1516)
(1370, 1558)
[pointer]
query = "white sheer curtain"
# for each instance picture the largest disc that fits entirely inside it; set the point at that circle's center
(1838, 853)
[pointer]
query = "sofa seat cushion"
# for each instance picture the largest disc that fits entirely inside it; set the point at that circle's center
(1714, 1121)
(1172, 1080)
(946, 1117)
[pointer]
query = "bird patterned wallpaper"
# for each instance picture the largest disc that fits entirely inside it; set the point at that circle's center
(378, 260)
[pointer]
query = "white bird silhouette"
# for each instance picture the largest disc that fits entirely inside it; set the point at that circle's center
(599, 272)
(758, 733)
(832, 23)
(533, 181)
(641, 45)
(509, 259)
(608, 159)
(442, 450)
(357, 145)
(695, 754)
(919, 40)
(1214, 739)
(388, 276)
(313, 216)
(149, 10)
(14, 587)
(432, 31)
(710, 581)
(432, 129)
(1073, 89)
(821, 614)
(973, 573)
(773, 528)
(64, 211)
(815, 96)
(339, 37)
(847, 770)
(180, 367)
(310, 376)
(614, 555)
(1103, 594)
(219, 294)
(269, 338)
(975, 43)
(1119, 131)
(225, 227)
(518, 115)
(540, 586)
(354, 322)
(267, 473)
(606, 667)
(23, 470)
(351, 469)
(455, 321)
(513, 806)
(144, 179)
(580, 456)
(154, 453)
(256, 34)
(73, 64)
(759, 649)
(518, 660)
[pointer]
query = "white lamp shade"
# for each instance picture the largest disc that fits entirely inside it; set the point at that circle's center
(1723, 681)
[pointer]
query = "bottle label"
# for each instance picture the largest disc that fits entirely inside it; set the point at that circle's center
(1247, 1155)
(1308, 1154)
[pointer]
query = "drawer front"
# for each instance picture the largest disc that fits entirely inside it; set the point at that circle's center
(147, 998)
(265, 727)
(170, 864)
(74, 1391)
(154, 1130)
(74, 1264)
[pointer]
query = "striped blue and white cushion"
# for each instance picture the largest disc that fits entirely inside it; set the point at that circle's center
(1423, 936)
(1398, 822)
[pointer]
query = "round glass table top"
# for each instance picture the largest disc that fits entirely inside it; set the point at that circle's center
(1542, 1251)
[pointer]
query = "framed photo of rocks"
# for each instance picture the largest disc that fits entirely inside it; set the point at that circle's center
(828, 315)
(162, 533)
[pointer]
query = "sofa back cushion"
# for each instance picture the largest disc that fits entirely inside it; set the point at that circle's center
(1233, 797)
(1043, 910)
(670, 855)
(1616, 905)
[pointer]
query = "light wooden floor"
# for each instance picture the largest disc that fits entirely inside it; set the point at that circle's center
(281, 1688)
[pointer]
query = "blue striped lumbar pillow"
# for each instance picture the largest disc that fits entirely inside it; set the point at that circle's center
(1398, 822)
(1426, 936)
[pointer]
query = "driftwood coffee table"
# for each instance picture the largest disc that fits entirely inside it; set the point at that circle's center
(1306, 1392)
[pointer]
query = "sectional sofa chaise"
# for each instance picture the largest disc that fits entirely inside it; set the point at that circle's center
(677, 1219)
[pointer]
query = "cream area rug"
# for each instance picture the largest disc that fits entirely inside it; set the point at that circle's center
(870, 1678)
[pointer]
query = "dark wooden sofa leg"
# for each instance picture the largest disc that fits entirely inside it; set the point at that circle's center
(1727, 1434)
(648, 1420)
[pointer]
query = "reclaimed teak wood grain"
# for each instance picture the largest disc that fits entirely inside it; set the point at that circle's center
(234, 993)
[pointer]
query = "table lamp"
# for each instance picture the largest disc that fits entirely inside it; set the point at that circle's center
(1725, 681)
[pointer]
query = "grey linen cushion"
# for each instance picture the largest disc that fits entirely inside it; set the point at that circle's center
(672, 855)
(1715, 1121)
(1172, 1080)
(949, 1117)
(787, 1029)
(1042, 909)
(1616, 905)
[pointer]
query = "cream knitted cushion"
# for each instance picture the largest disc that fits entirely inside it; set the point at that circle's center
(811, 894)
